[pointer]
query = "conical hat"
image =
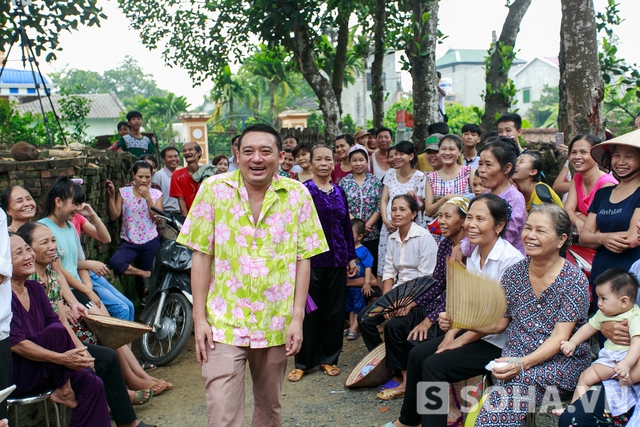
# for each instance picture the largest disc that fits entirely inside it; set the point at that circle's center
(631, 139)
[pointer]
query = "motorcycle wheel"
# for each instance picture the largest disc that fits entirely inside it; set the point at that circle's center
(164, 345)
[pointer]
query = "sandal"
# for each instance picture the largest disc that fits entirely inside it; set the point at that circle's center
(389, 394)
(352, 336)
(295, 375)
(169, 386)
(158, 387)
(389, 384)
(346, 332)
(147, 367)
(331, 370)
(140, 399)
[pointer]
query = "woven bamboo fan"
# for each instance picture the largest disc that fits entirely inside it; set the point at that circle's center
(113, 332)
(473, 301)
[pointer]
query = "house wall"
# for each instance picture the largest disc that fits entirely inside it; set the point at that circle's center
(98, 127)
(356, 100)
(468, 82)
(534, 77)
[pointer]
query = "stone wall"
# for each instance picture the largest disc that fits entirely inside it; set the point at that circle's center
(94, 167)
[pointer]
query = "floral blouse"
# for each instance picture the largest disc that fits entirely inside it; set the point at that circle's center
(364, 201)
(51, 286)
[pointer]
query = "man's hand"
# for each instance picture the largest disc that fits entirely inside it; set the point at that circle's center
(293, 341)
(203, 334)
(618, 332)
(420, 332)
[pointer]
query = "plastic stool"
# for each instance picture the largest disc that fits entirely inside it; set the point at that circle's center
(28, 400)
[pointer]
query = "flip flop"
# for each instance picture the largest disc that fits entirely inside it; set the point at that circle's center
(295, 375)
(389, 384)
(141, 424)
(147, 367)
(330, 370)
(346, 332)
(389, 394)
(139, 399)
(352, 336)
(158, 387)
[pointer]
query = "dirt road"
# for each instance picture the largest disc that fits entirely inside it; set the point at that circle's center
(317, 400)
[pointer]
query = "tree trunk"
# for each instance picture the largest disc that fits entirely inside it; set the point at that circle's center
(328, 102)
(340, 61)
(581, 86)
(377, 90)
(420, 50)
(500, 90)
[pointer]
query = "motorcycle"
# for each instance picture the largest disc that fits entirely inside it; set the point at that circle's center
(169, 309)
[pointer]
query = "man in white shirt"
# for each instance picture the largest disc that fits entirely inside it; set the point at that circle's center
(171, 159)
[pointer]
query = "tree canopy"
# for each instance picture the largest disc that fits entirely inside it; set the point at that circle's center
(45, 20)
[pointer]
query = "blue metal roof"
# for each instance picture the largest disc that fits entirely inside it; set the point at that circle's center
(11, 76)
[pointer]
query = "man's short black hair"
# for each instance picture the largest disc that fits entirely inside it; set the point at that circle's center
(164, 151)
(359, 225)
(122, 123)
(438, 127)
(264, 128)
(133, 115)
(295, 138)
(511, 117)
(373, 131)
(473, 128)
(384, 129)
(439, 74)
(233, 140)
(623, 283)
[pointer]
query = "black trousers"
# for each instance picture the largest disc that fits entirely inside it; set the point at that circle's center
(594, 416)
(322, 328)
(107, 367)
(396, 331)
(5, 373)
(368, 328)
(450, 366)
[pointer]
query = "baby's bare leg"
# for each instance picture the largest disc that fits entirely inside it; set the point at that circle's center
(593, 375)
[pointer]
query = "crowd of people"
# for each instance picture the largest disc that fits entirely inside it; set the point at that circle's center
(400, 214)
(284, 227)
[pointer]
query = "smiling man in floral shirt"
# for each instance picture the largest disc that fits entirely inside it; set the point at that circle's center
(253, 233)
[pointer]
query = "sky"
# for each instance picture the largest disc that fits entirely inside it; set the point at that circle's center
(467, 23)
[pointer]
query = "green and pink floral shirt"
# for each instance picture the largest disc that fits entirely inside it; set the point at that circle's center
(250, 298)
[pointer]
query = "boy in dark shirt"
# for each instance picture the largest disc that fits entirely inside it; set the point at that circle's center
(135, 143)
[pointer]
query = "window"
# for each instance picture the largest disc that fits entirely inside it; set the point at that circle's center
(13, 90)
(526, 96)
(31, 91)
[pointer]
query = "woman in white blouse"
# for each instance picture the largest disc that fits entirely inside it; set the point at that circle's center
(411, 253)
(411, 249)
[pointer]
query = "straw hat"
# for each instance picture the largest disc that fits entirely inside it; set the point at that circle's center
(360, 134)
(371, 371)
(599, 151)
(113, 332)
